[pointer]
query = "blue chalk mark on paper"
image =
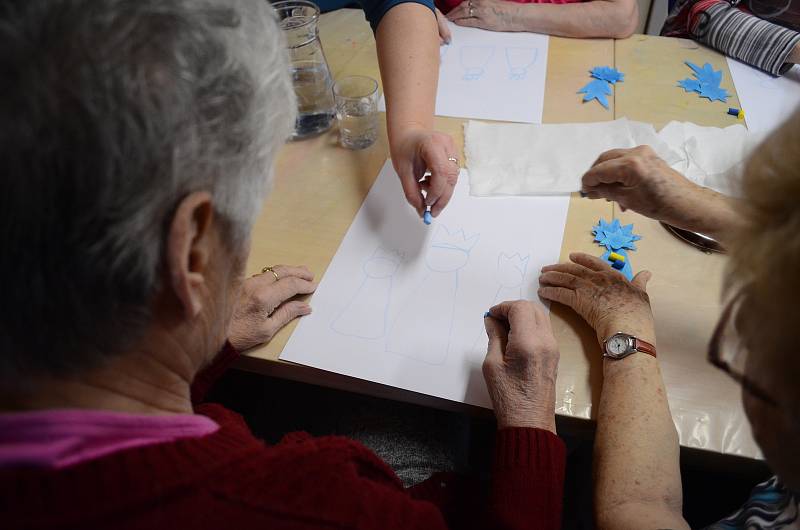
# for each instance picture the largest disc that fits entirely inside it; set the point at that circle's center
(606, 73)
(596, 89)
(706, 82)
(618, 238)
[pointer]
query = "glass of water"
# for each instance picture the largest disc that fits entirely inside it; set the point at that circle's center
(356, 99)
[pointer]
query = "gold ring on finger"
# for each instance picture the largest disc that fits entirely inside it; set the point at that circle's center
(270, 269)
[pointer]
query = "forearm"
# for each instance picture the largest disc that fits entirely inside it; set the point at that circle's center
(527, 480)
(408, 54)
(743, 36)
(636, 452)
(705, 211)
(598, 18)
(794, 57)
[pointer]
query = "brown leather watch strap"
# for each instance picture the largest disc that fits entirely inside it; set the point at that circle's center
(644, 347)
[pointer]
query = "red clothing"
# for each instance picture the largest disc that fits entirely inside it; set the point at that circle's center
(446, 5)
(230, 479)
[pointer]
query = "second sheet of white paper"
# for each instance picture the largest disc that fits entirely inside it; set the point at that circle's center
(492, 75)
(402, 303)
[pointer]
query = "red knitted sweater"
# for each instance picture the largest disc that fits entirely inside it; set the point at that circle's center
(230, 479)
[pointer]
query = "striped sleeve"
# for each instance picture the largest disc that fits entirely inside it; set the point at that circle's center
(743, 36)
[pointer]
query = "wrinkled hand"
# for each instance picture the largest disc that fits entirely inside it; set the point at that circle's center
(602, 296)
(265, 305)
(638, 179)
(521, 365)
(445, 35)
(421, 150)
(495, 15)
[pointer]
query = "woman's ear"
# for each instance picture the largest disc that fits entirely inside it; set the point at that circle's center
(189, 246)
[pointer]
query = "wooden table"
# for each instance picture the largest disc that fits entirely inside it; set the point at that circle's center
(319, 187)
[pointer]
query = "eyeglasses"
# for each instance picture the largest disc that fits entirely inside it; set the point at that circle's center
(729, 353)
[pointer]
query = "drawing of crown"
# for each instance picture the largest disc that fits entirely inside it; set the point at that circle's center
(456, 239)
(390, 254)
(515, 260)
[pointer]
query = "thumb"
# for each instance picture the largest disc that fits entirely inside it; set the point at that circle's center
(498, 337)
(641, 279)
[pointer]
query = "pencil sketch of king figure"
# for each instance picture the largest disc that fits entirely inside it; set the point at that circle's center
(423, 327)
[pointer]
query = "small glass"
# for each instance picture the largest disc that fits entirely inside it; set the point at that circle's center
(356, 99)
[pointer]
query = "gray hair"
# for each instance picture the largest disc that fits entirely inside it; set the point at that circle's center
(113, 111)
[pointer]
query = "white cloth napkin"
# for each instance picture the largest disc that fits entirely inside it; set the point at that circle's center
(522, 159)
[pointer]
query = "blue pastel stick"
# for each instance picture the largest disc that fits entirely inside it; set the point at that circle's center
(427, 218)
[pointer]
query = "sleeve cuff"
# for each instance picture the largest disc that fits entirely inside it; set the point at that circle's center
(528, 448)
(375, 10)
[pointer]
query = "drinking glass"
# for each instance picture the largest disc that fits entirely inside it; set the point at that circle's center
(356, 99)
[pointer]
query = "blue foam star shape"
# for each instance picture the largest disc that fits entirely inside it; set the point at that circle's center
(689, 85)
(706, 75)
(714, 93)
(614, 236)
(606, 73)
(596, 89)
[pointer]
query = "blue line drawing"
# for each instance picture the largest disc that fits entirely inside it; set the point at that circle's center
(366, 314)
(519, 60)
(474, 60)
(511, 271)
(423, 328)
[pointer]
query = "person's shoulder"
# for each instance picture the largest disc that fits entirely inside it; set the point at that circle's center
(332, 480)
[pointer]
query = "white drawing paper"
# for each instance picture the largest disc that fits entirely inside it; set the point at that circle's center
(492, 75)
(767, 101)
(402, 303)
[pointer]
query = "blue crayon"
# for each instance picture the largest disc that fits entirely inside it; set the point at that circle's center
(427, 218)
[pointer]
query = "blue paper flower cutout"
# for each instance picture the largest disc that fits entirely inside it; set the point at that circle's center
(714, 93)
(706, 75)
(606, 73)
(689, 85)
(614, 236)
(706, 83)
(596, 89)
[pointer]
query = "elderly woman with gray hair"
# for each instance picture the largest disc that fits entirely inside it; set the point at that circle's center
(637, 473)
(137, 137)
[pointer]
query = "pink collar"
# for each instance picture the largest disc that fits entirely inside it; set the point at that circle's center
(61, 438)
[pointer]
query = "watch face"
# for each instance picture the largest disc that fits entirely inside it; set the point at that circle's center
(617, 346)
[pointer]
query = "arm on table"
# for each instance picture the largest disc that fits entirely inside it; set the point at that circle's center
(596, 18)
(636, 452)
(745, 37)
(520, 371)
(407, 38)
(640, 180)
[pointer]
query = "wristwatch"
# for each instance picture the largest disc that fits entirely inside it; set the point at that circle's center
(620, 345)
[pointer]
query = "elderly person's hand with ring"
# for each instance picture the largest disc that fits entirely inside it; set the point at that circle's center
(268, 303)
